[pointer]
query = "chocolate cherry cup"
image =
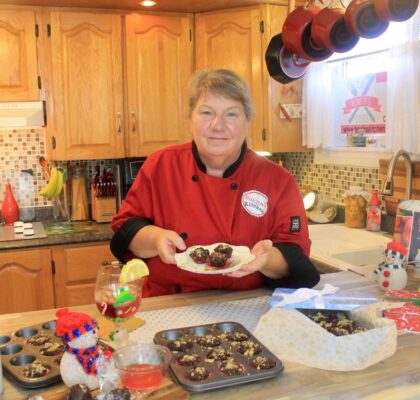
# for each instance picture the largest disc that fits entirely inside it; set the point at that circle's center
(361, 19)
(296, 34)
(396, 10)
(329, 30)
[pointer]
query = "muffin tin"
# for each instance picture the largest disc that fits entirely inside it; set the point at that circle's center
(194, 344)
(17, 354)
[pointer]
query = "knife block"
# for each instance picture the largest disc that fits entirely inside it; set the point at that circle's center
(103, 208)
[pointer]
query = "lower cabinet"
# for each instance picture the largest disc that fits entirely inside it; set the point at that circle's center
(26, 280)
(50, 277)
(75, 272)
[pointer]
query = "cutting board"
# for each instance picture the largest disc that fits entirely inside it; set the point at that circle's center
(168, 391)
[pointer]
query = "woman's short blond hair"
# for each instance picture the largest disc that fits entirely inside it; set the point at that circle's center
(223, 82)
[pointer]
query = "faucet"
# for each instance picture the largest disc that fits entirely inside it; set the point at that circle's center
(388, 188)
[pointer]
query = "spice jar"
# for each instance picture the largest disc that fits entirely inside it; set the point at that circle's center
(79, 200)
(355, 202)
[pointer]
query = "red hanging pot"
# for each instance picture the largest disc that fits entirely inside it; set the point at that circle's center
(396, 10)
(9, 208)
(296, 34)
(362, 19)
(329, 30)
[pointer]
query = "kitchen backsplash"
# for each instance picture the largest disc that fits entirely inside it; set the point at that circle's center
(332, 180)
(20, 150)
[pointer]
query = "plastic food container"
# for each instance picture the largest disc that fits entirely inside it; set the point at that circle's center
(217, 355)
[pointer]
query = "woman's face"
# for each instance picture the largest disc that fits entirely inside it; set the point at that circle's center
(219, 127)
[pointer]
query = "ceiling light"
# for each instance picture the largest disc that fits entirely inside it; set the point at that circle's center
(148, 3)
(264, 153)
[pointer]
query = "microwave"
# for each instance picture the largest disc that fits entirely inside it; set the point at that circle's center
(129, 170)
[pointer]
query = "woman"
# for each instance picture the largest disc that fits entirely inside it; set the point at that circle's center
(214, 190)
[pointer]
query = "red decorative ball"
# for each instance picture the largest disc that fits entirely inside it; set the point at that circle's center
(387, 274)
(385, 283)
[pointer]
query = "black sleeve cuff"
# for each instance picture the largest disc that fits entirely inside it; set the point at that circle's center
(123, 236)
(302, 273)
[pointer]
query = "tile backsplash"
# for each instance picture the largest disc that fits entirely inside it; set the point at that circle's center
(332, 180)
(20, 150)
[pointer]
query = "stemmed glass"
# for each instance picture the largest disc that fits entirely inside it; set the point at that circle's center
(117, 300)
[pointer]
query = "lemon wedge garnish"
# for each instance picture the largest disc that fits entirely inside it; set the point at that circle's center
(134, 269)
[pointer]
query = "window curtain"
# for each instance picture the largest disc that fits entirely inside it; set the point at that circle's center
(403, 93)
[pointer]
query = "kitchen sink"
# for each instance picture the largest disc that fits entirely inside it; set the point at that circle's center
(348, 249)
(361, 258)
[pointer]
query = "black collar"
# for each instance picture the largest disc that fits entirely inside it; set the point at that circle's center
(230, 170)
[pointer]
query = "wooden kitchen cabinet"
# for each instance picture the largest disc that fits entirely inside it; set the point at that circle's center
(18, 59)
(86, 64)
(26, 281)
(159, 50)
(75, 271)
(237, 39)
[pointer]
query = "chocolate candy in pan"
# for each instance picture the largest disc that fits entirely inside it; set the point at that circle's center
(218, 355)
(282, 65)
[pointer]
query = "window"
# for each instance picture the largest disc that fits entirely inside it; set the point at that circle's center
(366, 100)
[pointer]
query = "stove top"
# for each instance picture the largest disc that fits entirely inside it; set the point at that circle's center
(7, 233)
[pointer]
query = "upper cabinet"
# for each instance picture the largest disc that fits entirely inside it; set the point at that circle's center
(18, 60)
(159, 51)
(237, 39)
(87, 86)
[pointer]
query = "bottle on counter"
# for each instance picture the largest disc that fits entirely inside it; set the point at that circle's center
(355, 203)
(9, 208)
(374, 213)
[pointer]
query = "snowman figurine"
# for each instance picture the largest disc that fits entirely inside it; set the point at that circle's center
(79, 333)
(391, 273)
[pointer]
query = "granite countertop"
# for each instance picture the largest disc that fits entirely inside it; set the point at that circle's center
(64, 233)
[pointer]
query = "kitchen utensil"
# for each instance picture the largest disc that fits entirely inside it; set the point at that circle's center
(361, 19)
(79, 201)
(282, 65)
(395, 10)
(296, 34)
(329, 30)
(25, 188)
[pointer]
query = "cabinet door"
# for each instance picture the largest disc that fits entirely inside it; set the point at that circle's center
(18, 77)
(159, 65)
(232, 39)
(87, 86)
(25, 281)
(75, 272)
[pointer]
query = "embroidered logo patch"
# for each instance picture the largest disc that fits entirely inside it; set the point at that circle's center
(294, 224)
(255, 203)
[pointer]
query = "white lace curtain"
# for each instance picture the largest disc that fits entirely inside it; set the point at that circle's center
(403, 93)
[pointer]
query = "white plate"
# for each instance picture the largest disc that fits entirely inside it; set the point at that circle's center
(240, 255)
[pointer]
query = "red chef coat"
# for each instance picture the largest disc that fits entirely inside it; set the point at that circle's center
(260, 200)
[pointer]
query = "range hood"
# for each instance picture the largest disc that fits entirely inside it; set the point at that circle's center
(21, 114)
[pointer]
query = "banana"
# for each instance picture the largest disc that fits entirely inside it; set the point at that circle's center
(60, 183)
(51, 187)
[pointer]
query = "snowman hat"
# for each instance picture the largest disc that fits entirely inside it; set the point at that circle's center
(71, 325)
(396, 247)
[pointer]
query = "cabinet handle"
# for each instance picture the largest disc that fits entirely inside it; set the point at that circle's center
(134, 127)
(119, 123)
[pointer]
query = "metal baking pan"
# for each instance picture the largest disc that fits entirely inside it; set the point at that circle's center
(18, 354)
(223, 336)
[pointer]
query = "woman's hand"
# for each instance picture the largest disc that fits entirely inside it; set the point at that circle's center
(261, 250)
(166, 244)
(152, 241)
